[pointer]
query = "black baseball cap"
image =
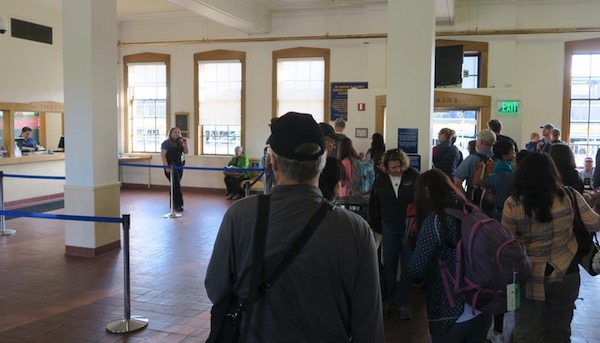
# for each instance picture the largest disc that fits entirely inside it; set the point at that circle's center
(292, 130)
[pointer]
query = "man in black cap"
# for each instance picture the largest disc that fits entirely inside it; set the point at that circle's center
(330, 292)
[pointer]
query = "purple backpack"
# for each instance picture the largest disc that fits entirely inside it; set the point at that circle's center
(492, 258)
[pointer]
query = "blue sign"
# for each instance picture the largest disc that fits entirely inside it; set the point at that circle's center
(415, 161)
(339, 98)
(408, 140)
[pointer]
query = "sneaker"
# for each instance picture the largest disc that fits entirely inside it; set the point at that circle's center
(236, 196)
(229, 196)
(495, 337)
(405, 313)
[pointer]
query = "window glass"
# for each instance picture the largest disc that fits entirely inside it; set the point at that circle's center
(584, 130)
(471, 70)
(30, 119)
(463, 122)
(220, 106)
(300, 86)
(147, 95)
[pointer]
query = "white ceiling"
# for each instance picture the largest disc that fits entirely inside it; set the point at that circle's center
(252, 16)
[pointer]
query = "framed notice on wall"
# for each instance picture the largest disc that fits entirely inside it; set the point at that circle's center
(361, 132)
(408, 140)
(181, 121)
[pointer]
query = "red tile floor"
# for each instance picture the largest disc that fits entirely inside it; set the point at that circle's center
(46, 296)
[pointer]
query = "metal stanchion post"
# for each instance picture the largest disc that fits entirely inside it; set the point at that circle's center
(129, 323)
(247, 188)
(172, 214)
(3, 230)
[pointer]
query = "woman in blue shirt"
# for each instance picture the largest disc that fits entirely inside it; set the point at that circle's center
(172, 153)
(29, 144)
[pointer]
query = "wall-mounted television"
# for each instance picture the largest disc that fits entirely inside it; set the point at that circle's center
(448, 65)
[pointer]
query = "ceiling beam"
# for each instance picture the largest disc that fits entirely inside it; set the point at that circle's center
(240, 15)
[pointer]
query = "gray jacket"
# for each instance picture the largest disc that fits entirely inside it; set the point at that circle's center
(329, 293)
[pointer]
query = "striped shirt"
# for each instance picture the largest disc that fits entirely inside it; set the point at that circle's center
(550, 243)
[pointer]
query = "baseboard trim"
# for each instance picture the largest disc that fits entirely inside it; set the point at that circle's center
(167, 188)
(11, 205)
(92, 252)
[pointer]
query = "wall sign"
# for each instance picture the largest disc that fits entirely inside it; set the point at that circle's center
(415, 161)
(508, 107)
(339, 98)
(408, 140)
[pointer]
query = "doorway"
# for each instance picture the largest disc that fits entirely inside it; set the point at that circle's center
(465, 113)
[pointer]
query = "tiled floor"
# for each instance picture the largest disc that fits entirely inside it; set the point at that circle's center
(46, 296)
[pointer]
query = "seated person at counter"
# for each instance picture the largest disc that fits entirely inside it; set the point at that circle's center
(233, 178)
(29, 144)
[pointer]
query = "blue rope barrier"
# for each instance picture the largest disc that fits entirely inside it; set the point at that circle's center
(62, 217)
(35, 177)
(137, 165)
(192, 168)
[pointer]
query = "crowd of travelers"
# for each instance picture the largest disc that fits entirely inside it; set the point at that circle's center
(361, 267)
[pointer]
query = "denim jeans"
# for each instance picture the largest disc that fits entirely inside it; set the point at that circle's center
(394, 248)
(550, 320)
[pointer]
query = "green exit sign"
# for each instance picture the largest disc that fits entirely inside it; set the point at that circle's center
(509, 107)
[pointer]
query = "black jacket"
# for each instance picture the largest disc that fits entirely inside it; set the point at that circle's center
(384, 206)
(447, 157)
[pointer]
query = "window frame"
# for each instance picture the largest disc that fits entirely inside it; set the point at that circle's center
(146, 57)
(586, 46)
(218, 55)
(303, 52)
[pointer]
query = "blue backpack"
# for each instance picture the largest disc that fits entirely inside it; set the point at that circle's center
(368, 175)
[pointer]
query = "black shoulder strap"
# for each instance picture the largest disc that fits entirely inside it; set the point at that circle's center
(258, 253)
(304, 237)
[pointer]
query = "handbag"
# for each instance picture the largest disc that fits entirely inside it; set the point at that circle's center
(228, 314)
(587, 242)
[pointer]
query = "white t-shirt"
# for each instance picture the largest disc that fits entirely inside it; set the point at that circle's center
(396, 180)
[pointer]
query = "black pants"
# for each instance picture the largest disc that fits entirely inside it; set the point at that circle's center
(177, 196)
(233, 184)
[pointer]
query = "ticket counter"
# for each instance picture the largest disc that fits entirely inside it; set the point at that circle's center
(19, 191)
(46, 120)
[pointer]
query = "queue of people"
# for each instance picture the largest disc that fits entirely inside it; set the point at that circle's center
(358, 287)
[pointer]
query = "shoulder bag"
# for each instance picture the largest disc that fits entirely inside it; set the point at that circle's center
(227, 315)
(587, 247)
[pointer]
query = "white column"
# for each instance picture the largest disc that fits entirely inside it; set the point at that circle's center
(90, 78)
(410, 57)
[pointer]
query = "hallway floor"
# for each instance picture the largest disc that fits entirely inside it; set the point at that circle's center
(49, 297)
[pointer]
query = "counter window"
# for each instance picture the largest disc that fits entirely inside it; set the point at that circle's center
(29, 119)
